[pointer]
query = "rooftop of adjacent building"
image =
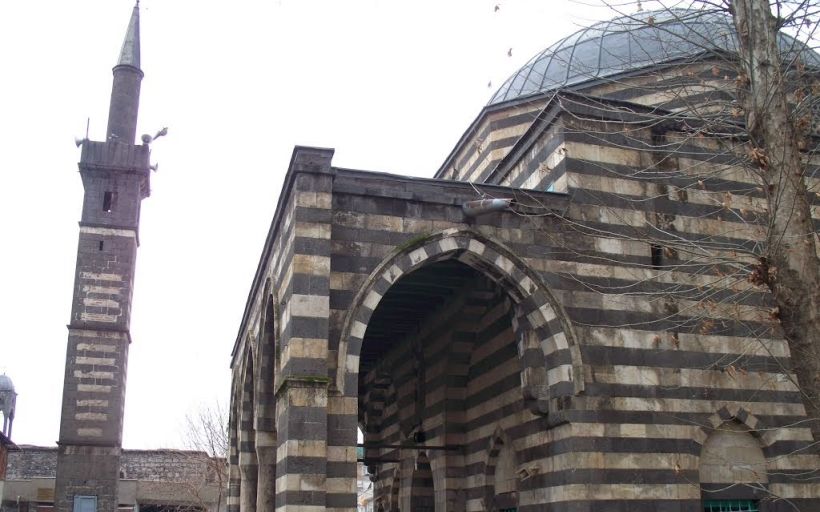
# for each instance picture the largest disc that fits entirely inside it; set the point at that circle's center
(30, 461)
(6, 443)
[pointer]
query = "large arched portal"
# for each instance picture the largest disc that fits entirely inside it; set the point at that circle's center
(453, 349)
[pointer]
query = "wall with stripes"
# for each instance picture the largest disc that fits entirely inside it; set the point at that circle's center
(596, 359)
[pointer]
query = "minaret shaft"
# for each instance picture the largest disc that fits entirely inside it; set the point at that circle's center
(122, 113)
(125, 91)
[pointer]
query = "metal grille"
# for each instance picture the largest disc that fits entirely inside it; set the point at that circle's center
(730, 506)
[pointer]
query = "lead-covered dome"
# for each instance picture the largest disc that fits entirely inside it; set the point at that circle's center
(629, 43)
(5, 383)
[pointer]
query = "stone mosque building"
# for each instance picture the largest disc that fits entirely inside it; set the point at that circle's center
(554, 320)
(551, 322)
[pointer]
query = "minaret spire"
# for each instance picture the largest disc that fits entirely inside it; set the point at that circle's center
(130, 53)
(125, 92)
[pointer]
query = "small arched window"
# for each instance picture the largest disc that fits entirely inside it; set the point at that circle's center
(732, 465)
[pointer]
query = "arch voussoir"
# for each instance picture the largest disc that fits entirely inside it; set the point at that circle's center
(550, 359)
(735, 412)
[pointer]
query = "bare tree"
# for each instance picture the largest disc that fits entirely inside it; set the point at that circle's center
(206, 432)
(778, 130)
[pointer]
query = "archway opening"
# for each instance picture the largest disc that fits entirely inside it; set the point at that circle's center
(503, 472)
(247, 441)
(440, 348)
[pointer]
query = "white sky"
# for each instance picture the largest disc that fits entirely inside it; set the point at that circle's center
(391, 85)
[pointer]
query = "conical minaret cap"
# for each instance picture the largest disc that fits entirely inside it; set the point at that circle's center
(130, 53)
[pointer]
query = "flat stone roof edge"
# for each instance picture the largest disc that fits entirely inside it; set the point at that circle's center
(455, 186)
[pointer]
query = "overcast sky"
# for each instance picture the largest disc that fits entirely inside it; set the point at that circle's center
(391, 85)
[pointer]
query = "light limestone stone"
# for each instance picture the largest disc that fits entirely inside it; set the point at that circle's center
(93, 388)
(93, 230)
(106, 361)
(89, 432)
(312, 306)
(100, 276)
(90, 416)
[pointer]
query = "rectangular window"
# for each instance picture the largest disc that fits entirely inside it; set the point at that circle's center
(730, 506)
(656, 252)
(85, 504)
(108, 201)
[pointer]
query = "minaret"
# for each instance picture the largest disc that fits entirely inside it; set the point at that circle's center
(115, 176)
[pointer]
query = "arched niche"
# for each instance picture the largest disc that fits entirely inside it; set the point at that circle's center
(501, 474)
(234, 477)
(247, 436)
(733, 469)
(267, 354)
(549, 357)
(732, 455)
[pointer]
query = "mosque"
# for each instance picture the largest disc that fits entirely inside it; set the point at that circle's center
(550, 322)
(554, 320)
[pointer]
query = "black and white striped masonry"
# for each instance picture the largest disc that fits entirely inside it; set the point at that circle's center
(550, 356)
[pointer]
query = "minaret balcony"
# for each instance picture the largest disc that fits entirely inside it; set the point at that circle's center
(113, 155)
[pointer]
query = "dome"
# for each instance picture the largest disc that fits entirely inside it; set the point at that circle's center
(629, 43)
(5, 383)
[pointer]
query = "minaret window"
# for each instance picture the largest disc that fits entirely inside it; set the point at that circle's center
(102, 244)
(108, 201)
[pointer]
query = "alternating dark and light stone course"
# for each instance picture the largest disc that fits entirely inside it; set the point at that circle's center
(565, 350)
(599, 404)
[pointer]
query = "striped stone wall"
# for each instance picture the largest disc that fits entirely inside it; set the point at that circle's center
(699, 89)
(629, 188)
(602, 358)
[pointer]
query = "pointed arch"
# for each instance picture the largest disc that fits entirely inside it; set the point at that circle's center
(732, 463)
(264, 424)
(234, 478)
(267, 349)
(247, 404)
(500, 473)
(247, 435)
(738, 414)
(549, 356)
(732, 455)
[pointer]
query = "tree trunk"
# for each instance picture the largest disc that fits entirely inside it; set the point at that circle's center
(791, 268)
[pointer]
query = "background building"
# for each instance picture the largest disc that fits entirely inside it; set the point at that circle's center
(149, 480)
